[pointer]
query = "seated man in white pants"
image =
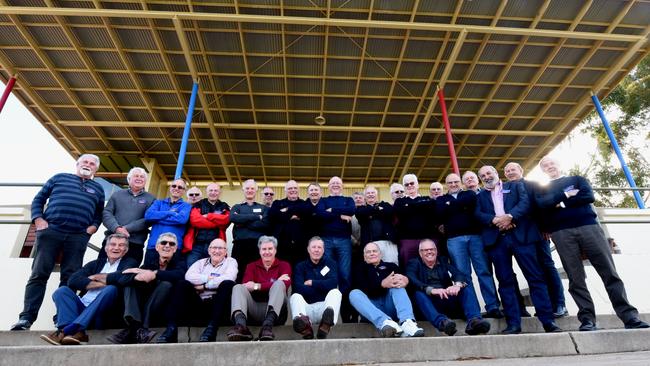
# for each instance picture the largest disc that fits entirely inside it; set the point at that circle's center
(379, 295)
(262, 293)
(315, 296)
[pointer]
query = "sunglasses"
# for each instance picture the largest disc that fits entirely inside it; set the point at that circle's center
(165, 242)
(398, 191)
(194, 194)
(409, 184)
(176, 186)
(269, 194)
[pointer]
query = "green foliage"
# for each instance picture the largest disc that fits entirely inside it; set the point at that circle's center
(630, 102)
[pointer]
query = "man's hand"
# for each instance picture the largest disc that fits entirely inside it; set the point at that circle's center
(40, 223)
(294, 217)
(453, 290)
(440, 292)
(122, 231)
(503, 222)
(99, 277)
(284, 209)
(572, 192)
(95, 285)
(346, 218)
(250, 286)
(145, 276)
(284, 277)
(91, 229)
(133, 270)
(308, 283)
(199, 288)
(388, 281)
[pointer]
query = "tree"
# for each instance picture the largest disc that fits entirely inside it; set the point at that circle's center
(630, 103)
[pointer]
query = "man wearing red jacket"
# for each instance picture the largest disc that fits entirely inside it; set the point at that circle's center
(262, 294)
(209, 219)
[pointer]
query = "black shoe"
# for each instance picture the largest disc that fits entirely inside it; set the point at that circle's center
(477, 326)
(636, 323)
(551, 327)
(209, 334)
(124, 336)
(524, 313)
(511, 329)
(326, 322)
(239, 333)
(560, 312)
(266, 333)
(170, 335)
(302, 325)
(144, 335)
(22, 324)
(448, 327)
(494, 313)
(587, 326)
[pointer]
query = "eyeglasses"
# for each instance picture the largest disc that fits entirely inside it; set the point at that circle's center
(436, 189)
(165, 242)
(269, 194)
(427, 250)
(194, 194)
(409, 184)
(176, 186)
(398, 191)
(218, 248)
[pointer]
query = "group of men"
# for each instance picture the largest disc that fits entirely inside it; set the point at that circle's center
(419, 248)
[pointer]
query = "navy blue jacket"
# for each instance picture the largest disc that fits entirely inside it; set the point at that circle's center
(333, 226)
(415, 219)
(577, 210)
(442, 275)
(368, 277)
(79, 280)
(457, 214)
(174, 272)
(322, 280)
(284, 229)
(515, 203)
(376, 222)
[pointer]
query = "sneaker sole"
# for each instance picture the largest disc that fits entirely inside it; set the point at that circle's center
(49, 340)
(69, 341)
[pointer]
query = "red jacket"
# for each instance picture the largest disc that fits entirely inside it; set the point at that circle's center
(198, 221)
(256, 272)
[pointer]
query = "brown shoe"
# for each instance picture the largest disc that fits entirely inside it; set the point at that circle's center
(302, 325)
(53, 338)
(326, 322)
(266, 333)
(75, 339)
(239, 333)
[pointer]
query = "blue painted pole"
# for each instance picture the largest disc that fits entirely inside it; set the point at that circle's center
(186, 131)
(617, 149)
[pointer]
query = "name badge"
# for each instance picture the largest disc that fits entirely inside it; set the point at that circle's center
(214, 274)
(569, 188)
(90, 190)
(218, 212)
(505, 191)
(141, 201)
(257, 210)
(325, 271)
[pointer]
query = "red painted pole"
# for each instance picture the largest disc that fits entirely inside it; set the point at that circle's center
(450, 141)
(5, 95)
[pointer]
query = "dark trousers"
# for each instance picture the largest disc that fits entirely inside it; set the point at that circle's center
(244, 251)
(136, 251)
(551, 277)
(591, 241)
(199, 251)
(187, 306)
(436, 309)
(49, 243)
(70, 309)
(501, 254)
(145, 302)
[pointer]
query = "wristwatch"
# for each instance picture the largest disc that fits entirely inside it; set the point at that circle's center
(256, 287)
(460, 284)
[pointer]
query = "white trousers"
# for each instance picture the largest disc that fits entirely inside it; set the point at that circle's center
(315, 311)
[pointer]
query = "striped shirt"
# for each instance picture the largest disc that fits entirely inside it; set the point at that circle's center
(73, 203)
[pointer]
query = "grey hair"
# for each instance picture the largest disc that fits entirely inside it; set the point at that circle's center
(410, 176)
(118, 236)
(168, 234)
(267, 239)
(89, 156)
(134, 170)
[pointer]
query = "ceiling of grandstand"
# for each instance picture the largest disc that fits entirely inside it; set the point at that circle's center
(114, 78)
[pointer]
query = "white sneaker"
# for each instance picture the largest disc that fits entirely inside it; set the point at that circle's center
(390, 329)
(411, 329)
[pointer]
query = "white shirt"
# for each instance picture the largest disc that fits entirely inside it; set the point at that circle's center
(91, 295)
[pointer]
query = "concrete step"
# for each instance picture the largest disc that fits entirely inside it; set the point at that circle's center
(339, 331)
(335, 351)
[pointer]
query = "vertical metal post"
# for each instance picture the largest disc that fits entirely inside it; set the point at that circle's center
(617, 150)
(5, 94)
(450, 141)
(186, 131)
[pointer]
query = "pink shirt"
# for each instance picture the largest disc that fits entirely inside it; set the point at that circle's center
(497, 199)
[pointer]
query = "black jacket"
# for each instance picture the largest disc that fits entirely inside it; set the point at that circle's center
(79, 280)
(376, 222)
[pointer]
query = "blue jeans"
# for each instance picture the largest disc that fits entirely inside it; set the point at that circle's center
(340, 251)
(464, 248)
(199, 251)
(395, 303)
(435, 309)
(501, 254)
(70, 309)
(552, 278)
(48, 244)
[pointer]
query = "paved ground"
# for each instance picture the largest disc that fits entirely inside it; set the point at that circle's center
(610, 359)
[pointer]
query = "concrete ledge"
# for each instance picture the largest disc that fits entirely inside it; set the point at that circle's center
(618, 340)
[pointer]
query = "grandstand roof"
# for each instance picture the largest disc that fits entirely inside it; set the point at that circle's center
(114, 77)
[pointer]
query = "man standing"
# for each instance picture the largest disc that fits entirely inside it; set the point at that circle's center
(514, 172)
(572, 223)
(168, 215)
(97, 281)
(464, 242)
(415, 219)
(287, 226)
(470, 181)
(396, 191)
(380, 292)
(124, 214)
(315, 296)
(194, 195)
(74, 212)
(442, 291)
(376, 221)
(268, 196)
(435, 190)
(261, 295)
(209, 219)
(507, 231)
(250, 221)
